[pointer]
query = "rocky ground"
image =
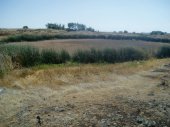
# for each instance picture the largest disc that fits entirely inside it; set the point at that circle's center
(141, 99)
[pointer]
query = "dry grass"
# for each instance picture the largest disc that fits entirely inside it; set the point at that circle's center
(81, 89)
(55, 76)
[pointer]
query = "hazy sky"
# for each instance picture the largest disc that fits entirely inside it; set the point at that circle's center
(103, 15)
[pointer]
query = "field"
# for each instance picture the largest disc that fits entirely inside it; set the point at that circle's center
(126, 94)
(133, 90)
(72, 45)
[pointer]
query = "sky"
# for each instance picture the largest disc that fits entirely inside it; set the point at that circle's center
(103, 15)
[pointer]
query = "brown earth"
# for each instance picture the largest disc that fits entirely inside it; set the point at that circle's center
(132, 94)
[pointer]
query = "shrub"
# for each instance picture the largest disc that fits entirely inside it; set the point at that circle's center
(130, 54)
(88, 56)
(27, 37)
(64, 56)
(164, 52)
(23, 55)
(110, 55)
(50, 57)
(5, 64)
(29, 56)
(25, 27)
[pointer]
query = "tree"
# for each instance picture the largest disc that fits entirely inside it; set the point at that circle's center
(79, 27)
(25, 27)
(90, 29)
(55, 26)
(72, 26)
(125, 31)
(157, 33)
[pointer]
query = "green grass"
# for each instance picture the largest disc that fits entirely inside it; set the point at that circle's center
(109, 55)
(28, 56)
(164, 52)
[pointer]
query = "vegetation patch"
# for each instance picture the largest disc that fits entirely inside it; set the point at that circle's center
(28, 37)
(5, 64)
(164, 52)
(28, 56)
(109, 55)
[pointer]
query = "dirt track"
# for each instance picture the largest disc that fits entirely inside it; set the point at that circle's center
(139, 99)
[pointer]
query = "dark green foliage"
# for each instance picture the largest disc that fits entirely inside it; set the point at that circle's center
(25, 27)
(25, 37)
(50, 57)
(157, 33)
(26, 56)
(164, 52)
(130, 54)
(64, 56)
(88, 56)
(76, 27)
(55, 26)
(29, 56)
(108, 55)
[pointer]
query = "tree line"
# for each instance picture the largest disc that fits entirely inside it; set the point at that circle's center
(70, 27)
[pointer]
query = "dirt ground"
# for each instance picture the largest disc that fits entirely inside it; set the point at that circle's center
(132, 94)
(72, 45)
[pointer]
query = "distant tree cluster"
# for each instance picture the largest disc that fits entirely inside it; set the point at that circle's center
(25, 27)
(90, 29)
(55, 26)
(79, 27)
(71, 27)
(157, 33)
(76, 27)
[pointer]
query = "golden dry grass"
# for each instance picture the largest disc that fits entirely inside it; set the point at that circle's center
(84, 86)
(55, 76)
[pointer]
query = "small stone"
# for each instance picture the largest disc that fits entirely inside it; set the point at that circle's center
(59, 109)
(2, 90)
(139, 120)
(149, 123)
(39, 120)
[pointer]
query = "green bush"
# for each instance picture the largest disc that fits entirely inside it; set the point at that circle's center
(50, 57)
(28, 37)
(29, 56)
(64, 56)
(130, 54)
(5, 64)
(88, 56)
(164, 52)
(24, 55)
(108, 55)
